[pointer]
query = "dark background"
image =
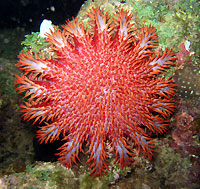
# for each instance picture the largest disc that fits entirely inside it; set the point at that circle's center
(30, 13)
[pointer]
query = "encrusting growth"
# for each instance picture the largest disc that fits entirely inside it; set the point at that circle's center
(103, 86)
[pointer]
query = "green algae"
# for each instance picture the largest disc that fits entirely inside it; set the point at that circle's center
(51, 175)
(175, 21)
(34, 42)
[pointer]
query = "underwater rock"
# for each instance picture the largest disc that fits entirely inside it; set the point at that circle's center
(188, 81)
